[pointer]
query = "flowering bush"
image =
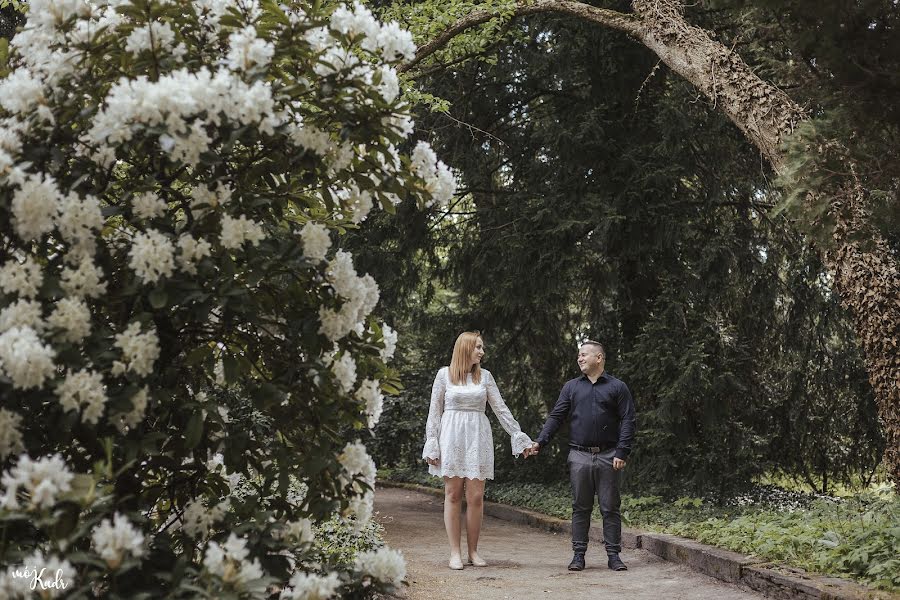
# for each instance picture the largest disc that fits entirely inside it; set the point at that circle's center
(177, 320)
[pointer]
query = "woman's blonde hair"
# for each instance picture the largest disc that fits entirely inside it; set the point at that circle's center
(461, 363)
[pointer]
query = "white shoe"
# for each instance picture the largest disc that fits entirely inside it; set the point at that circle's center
(477, 561)
(455, 563)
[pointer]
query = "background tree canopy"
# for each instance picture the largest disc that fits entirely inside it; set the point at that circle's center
(603, 198)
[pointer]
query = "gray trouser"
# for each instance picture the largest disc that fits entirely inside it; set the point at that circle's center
(593, 474)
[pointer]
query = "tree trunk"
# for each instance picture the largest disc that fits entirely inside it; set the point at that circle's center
(865, 272)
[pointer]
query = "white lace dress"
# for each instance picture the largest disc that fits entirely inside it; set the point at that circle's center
(458, 431)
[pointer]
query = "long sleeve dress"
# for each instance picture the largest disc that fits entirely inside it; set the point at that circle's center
(458, 432)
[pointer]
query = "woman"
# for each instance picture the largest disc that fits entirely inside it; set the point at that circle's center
(458, 442)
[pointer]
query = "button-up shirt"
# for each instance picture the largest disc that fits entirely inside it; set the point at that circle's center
(600, 414)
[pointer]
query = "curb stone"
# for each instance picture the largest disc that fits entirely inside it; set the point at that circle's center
(771, 579)
(709, 560)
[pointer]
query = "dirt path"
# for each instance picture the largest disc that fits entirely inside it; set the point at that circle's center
(526, 563)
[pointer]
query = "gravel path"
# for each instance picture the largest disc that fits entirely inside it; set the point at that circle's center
(526, 563)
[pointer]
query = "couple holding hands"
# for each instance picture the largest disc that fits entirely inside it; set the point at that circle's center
(459, 446)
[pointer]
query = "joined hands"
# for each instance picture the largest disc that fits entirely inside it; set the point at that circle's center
(532, 451)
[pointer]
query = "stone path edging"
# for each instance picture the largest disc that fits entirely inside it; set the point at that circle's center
(774, 580)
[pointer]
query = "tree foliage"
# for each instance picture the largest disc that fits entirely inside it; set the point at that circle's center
(602, 200)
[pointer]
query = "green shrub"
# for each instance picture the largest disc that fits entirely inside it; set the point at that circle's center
(182, 338)
(337, 543)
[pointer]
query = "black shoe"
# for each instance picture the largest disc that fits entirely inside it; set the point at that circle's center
(615, 563)
(577, 563)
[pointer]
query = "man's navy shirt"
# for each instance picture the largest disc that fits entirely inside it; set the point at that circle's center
(601, 414)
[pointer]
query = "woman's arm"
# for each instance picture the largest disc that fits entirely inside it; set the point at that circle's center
(432, 449)
(520, 441)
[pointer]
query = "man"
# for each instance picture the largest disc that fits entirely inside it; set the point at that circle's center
(601, 412)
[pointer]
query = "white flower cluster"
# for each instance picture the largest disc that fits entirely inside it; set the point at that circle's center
(439, 181)
(117, 539)
(101, 17)
(42, 481)
(56, 12)
(336, 59)
(83, 389)
(310, 137)
(310, 586)
(402, 123)
(356, 461)
(360, 510)
(21, 91)
(152, 37)
(22, 313)
(188, 147)
(140, 350)
(10, 436)
(390, 342)
(72, 317)
(25, 359)
(78, 220)
(228, 561)
(341, 156)
(174, 99)
(344, 370)
(152, 256)
(41, 45)
(384, 564)
(389, 39)
(360, 296)
(148, 205)
(246, 50)
(390, 84)
(211, 13)
(203, 198)
(316, 241)
(84, 281)
(300, 531)
(197, 519)
(192, 252)
(138, 407)
(369, 393)
(35, 205)
(237, 231)
(23, 278)
(358, 202)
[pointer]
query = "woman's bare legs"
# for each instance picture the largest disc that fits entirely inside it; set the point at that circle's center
(453, 494)
(474, 515)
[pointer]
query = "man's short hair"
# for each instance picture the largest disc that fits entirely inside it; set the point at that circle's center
(598, 345)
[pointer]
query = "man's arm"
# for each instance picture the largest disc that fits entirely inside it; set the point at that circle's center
(556, 417)
(627, 422)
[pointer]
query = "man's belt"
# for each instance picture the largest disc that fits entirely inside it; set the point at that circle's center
(592, 449)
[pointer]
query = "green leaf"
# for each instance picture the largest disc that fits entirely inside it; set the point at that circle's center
(194, 431)
(197, 355)
(390, 389)
(158, 298)
(230, 366)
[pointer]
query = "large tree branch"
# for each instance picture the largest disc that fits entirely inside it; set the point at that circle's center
(609, 18)
(762, 111)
